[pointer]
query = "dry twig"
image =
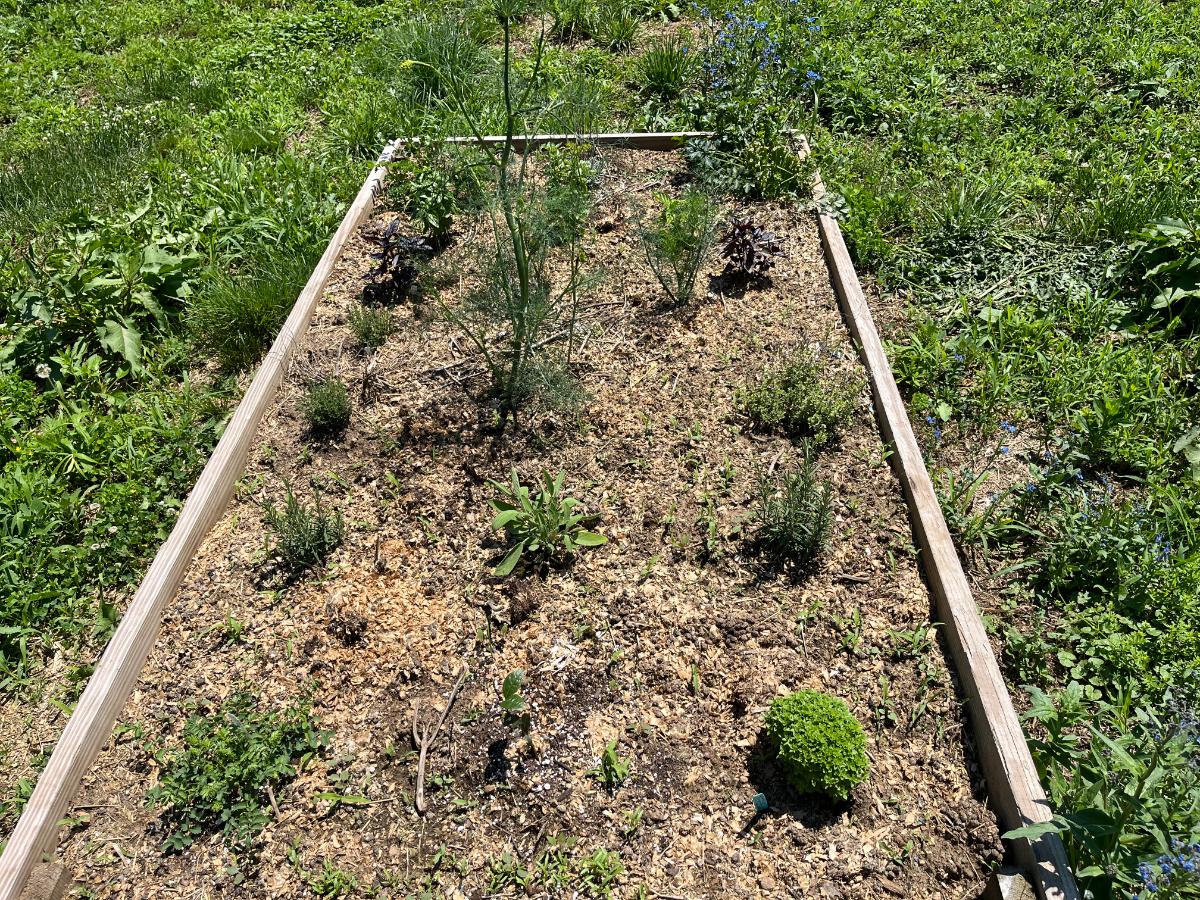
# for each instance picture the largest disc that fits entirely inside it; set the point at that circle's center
(427, 735)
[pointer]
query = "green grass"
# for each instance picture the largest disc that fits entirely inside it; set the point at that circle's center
(999, 168)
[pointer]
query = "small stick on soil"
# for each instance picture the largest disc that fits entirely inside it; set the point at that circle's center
(271, 797)
(428, 735)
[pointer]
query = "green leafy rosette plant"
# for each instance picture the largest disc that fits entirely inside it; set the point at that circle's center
(821, 746)
(544, 525)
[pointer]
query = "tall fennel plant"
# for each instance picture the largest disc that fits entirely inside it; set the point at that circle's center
(516, 312)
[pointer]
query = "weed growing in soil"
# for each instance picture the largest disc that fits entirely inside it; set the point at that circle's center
(332, 882)
(222, 776)
(616, 25)
(1166, 254)
(612, 770)
(235, 318)
(304, 537)
(556, 868)
(677, 242)
(428, 193)
(821, 746)
(599, 872)
(326, 407)
(803, 397)
(544, 525)
(371, 326)
(794, 516)
(513, 707)
(666, 67)
(749, 251)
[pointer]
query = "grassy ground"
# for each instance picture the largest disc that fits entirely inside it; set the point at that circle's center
(167, 159)
(1021, 176)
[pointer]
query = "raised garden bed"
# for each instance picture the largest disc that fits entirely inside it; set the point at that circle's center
(670, 640)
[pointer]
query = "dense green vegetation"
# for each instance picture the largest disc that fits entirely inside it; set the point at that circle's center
(173, 168)
(1023, 175)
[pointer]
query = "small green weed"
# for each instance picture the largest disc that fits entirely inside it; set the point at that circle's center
(332, 882)
(544, 525)
(612, 770)
(599, 872)
(632, 822)
(222, 775)
(514, 709)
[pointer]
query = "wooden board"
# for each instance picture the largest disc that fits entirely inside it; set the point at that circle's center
(1013, 785)
(107, 690)
(49, 881)
(637, 140)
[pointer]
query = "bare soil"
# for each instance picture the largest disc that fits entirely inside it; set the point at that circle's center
(671, 639)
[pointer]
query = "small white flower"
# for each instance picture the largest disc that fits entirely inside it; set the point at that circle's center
(42, 371)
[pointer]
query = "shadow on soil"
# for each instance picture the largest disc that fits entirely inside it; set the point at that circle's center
(810, 810)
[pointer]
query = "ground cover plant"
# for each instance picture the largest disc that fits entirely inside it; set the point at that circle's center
(821, 745)
(804, 397)
(225, 774)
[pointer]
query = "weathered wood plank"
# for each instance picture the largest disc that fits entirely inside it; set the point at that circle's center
(1013, 786)
(637, 140)
(48, 881)
(110, 685)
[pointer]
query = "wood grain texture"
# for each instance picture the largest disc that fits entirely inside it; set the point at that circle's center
(49, 881)
(637, 140)
(117, 672)
(1012, 780)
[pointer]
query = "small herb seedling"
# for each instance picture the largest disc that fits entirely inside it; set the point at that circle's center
(613, 770)
(512, 704)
